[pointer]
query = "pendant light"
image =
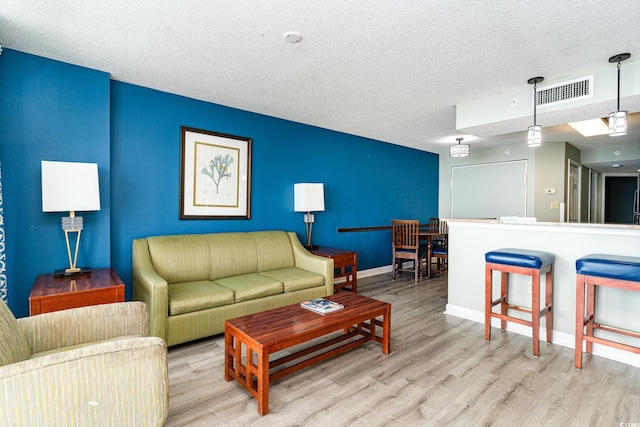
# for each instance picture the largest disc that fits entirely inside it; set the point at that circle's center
(618, 119)
(459, 150)
(534, 136)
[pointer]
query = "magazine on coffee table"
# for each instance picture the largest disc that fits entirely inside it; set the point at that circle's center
(322, 305)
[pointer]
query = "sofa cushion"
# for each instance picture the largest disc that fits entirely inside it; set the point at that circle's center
(231, 254)
(13, 344)
(274, 250)
(193, 296)
(180, 258)
(295, 279)
(251, 286)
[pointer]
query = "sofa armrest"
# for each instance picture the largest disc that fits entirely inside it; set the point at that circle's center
(84, 325)
(313, 263)
(120, 383)
(149, 287)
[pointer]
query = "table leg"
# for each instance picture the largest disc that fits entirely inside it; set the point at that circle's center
(386, 331)
(263, 381)
(228, 359)
(429, 252)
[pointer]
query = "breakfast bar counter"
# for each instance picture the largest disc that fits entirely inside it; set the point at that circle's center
(469, 240)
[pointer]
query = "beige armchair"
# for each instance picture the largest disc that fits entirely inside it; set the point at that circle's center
(89, 366)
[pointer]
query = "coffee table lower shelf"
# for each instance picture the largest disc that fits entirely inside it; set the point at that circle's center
(250, 340)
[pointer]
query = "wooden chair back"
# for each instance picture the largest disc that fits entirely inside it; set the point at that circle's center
(405, 234)
(434, 225)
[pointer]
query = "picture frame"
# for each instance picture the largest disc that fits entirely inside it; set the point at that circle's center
(215, 175)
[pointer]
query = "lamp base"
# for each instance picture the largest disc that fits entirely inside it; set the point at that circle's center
(311, 247)
(71, 273)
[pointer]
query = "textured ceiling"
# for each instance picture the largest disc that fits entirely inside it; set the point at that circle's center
(388, 70)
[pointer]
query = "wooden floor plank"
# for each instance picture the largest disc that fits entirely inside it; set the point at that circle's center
(440, 373)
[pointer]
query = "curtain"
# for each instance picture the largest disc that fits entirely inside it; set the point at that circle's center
(3, 254)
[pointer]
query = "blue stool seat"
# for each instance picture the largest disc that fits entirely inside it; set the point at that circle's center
(519, 257)
(611, 266)
(599, 270)
(519, 261)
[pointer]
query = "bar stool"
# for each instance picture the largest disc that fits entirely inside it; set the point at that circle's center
(613, 271)
(526, 262)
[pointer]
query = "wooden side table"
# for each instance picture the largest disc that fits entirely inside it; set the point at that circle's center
(100, 286)
(345, 264)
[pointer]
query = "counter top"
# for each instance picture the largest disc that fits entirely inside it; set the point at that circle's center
(577, 225)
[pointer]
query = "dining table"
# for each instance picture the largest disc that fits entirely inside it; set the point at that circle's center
(427, 236)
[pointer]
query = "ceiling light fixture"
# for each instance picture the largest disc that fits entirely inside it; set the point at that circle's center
(618, 119)
(459, 150)
(534, 136)
(591, 127)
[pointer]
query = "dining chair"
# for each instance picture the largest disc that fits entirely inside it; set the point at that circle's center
(440, 249)
(435, 226)
(406, 246)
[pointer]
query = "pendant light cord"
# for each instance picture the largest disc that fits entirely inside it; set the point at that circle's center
(618, 109)
(535, 101)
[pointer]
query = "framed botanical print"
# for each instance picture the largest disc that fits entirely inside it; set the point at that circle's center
(215, 175)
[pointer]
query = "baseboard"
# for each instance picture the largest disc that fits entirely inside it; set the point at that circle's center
(560, 338)
(370, 272)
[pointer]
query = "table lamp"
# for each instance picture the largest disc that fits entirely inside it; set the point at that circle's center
(308, 197)
(70, 186)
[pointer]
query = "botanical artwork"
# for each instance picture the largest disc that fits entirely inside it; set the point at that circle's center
(215, 175)
(218, 168)
(217, 182)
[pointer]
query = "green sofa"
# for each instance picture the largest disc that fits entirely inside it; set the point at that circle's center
(192, 283)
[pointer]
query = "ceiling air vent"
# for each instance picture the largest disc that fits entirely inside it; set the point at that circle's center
(565, 92)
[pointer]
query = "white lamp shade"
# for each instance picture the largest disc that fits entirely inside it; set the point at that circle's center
(534, 136)
(308, 197)
(70, 186)
(618, 123)
(459, 150)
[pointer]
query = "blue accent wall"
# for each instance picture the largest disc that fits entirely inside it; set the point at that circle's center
(56, 111)
(49, 110)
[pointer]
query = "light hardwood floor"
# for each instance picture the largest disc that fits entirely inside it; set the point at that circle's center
(440, 373)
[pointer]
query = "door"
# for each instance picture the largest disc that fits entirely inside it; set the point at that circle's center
(618, 199)
(593, 196)
(489, 190)
(573, 191)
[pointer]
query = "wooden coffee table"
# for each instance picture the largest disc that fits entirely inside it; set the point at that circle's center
(249, 340)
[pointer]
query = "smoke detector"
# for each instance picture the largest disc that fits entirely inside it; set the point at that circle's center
(292, 37)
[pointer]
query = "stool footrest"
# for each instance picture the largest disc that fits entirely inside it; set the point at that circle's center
(511, 319)
(609, 343)
(613, 329)
(587, 320)
(497, 301)
(513, 307)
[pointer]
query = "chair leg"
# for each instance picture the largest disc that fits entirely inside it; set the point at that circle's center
(549, 303)
(580, 306)
(393, 267)
(535, 312)
(487, 303)
(504, 295)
